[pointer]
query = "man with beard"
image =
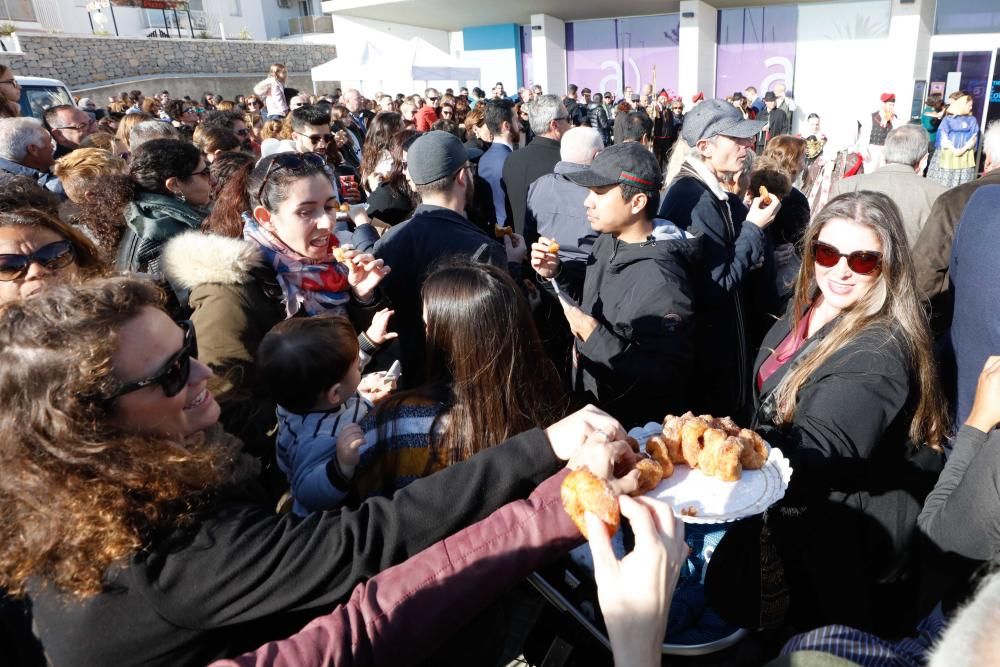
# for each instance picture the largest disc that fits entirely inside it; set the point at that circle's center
(438, 166)
(502, 125)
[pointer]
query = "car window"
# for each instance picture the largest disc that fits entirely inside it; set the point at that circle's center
(36, 99)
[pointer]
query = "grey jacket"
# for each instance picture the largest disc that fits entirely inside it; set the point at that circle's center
(911, 192)
(555, 210)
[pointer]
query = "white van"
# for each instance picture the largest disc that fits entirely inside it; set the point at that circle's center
(38, 94)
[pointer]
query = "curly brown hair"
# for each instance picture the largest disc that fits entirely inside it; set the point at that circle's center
(78, 494)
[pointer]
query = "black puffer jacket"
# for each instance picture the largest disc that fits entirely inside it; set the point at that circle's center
(641, 296)
(597, 117)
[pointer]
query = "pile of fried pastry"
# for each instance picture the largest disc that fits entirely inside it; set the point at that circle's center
(716, 446)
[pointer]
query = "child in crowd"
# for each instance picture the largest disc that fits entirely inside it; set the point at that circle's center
(312, 368)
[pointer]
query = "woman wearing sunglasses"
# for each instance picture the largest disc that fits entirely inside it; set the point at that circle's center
(131, 522)
(173, 188)
(37, 250)
(274, 261)
(846, 386)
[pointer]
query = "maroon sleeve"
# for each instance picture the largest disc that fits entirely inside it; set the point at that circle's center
(403, 614)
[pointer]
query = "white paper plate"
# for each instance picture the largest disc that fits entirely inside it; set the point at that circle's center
(714, 500)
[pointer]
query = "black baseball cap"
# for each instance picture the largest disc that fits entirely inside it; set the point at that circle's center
(625, 164)
(436, 155)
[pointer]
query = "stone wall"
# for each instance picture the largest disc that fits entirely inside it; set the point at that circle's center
(91, 62)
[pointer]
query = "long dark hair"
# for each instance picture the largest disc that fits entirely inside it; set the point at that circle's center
(485, 362)
(380, 132)
(396, 178)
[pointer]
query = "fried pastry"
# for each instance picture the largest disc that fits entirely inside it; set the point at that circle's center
(582, 491)
(501, 231)
(650, 475)
(691, 444)
(754, 450)
(721, 456)
(659, 449)
(765, 197)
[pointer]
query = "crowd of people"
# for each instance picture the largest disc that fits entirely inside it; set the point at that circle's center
(287, 378)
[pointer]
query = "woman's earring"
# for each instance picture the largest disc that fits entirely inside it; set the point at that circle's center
(180, 197)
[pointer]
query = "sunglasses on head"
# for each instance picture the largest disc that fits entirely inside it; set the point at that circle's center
(174, 375)
(53, 257)
(291, 161)
(859, 261)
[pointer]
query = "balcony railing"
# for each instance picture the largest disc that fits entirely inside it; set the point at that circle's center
(302, 25)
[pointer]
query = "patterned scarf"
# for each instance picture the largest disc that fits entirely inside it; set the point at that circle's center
(308, 284)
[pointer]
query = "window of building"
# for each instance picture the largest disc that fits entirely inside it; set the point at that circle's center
(17, 10)
(966, 16)
(612, 54)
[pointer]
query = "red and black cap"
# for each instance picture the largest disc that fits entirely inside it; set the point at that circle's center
(625, 164)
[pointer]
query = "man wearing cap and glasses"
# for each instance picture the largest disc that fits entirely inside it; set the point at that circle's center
(633, 351)
(438, 165)
(720, 139)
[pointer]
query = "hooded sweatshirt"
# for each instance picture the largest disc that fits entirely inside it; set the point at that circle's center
(637, 362)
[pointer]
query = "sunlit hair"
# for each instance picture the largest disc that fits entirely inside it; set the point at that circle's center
(126, 124)
(788, 152)
(78, 494)
(84, 169)
(892, 304)
(485, 362)
(272, 129)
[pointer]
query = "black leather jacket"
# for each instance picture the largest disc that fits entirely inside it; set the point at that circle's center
(597, 118)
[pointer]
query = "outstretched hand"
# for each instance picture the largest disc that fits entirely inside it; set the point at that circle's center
(635, 592)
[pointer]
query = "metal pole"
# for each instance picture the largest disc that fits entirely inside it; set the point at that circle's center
(177, 22)
(190, 24)
(113, 19)
(166, 24)
(90, 17)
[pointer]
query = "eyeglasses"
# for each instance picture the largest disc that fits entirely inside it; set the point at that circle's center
(289, 161)
(316, 138)
(12, 82)
(174, 375)
(204, 171)
(859, 261)
(53, 257)
(242, 132)
(79, 127)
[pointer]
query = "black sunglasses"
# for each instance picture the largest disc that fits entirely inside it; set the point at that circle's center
(53, 257)
(316, 138)
(174, 375)
(242, 132)
(291, 161)
(859, 261)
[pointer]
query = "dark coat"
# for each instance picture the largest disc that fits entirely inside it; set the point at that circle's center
(975, 327)
(597, 118)
(412, 249)
(848, 520)
(522, 168)
(152, 220)
(241, 575)
(641, 296)
(491, 168)
(730, 250)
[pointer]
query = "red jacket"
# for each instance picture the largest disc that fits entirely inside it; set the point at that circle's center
(403, 614)
(425, 117)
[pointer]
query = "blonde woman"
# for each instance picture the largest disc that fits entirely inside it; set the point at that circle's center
(845, 384)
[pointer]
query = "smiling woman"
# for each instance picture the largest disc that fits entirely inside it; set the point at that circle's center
(282, 267)
(37, 250)
(846, 387)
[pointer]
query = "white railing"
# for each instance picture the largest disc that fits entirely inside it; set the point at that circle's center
(48, 14)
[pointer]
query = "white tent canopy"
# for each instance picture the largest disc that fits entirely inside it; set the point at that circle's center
(419, 66)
